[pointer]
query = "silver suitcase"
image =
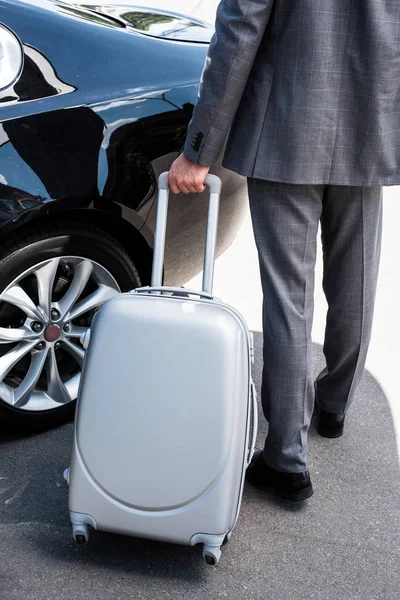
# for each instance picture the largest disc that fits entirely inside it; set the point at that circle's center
(167, 414)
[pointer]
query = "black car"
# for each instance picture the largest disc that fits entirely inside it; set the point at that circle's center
(94, 105)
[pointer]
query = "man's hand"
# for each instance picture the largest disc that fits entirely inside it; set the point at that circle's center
(186, 177)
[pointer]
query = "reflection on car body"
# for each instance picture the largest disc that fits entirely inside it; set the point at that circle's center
(98, 109)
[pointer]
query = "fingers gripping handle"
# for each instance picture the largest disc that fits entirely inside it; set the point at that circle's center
(214, 183)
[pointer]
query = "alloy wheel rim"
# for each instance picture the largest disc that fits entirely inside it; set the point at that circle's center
(44, 312)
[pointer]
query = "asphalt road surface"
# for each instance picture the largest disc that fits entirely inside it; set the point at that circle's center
(342, 544)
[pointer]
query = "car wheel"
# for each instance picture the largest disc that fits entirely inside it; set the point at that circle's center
(52, 280)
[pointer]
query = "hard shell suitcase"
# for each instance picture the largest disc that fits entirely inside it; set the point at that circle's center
(167, 414)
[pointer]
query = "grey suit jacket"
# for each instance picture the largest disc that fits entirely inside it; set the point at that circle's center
(308, 89)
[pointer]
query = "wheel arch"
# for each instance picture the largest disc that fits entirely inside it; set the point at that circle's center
(121, 230)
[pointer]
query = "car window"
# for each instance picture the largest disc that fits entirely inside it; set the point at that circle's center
(11, 58)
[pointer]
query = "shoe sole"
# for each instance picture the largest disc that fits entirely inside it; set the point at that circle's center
(330, 433)
(299, 496)
(296, 496)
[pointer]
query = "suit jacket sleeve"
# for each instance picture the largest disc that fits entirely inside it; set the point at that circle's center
(239, 28)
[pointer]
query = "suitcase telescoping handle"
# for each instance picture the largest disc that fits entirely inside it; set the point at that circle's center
(214, 183)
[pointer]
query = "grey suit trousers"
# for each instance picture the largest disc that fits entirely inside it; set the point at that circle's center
(285, 220)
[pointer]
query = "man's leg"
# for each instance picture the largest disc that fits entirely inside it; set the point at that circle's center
(285, 220)
(351, 224)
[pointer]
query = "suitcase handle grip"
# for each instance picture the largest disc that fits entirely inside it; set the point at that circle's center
(214, 183)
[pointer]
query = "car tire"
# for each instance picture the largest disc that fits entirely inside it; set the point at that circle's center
(22, 256)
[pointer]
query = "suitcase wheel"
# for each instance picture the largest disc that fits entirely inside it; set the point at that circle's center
(211, 554)
(80, 533)
(80, 539)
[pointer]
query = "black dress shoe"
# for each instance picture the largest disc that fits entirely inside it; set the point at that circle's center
(329, 425)
(290, 486)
